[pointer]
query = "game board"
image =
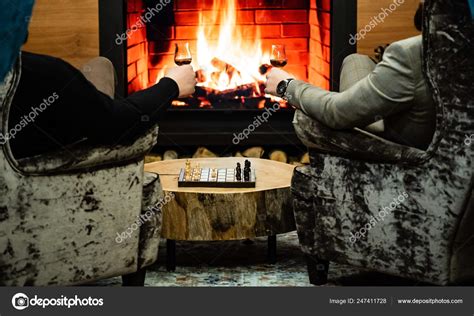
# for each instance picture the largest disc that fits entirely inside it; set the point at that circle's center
(198, 177)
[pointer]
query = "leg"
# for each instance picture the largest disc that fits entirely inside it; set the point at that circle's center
(272, 249)
(134, 279)
(170, 255)
(355, 68)
(317, 270)
(101, 73)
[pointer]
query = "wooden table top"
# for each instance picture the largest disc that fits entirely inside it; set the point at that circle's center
(270, 174)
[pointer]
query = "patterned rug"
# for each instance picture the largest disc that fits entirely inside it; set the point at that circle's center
(240, 263)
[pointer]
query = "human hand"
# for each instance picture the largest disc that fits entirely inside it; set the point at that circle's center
(185, 78)
(274, 77)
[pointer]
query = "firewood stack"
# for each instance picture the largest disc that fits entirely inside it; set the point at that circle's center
(254, 152)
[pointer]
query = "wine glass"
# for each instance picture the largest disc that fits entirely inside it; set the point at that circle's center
(278, 57)
(182, 55)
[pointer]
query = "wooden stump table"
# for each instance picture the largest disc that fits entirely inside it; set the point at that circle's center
(217, 214)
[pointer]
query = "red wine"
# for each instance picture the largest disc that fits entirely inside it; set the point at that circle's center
(183, 61)
(279, 62)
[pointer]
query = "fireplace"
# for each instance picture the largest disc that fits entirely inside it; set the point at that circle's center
(230, 41)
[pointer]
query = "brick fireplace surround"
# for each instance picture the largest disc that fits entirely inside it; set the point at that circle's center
(302, 25)
(316, 33)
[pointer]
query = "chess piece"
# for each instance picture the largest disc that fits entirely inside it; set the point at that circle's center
(187, 171)
(248, 164)
(197, 173)
(247, 171)
(238, 172)
(187, 166)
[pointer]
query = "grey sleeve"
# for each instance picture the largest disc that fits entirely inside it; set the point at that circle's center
(389, 89)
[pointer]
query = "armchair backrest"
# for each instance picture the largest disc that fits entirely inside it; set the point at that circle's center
(448, 50)
(7, 91)
(448, 37)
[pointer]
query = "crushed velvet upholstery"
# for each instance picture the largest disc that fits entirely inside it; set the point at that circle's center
(354, 175)
(150, 231)
(60, 213)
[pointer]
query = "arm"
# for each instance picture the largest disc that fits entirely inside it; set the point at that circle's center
(79, 110)
(106, 121)
(389, 89)
(353, 144)
(130, 118)
(133, 116)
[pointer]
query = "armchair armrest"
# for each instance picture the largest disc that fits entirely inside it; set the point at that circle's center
(80, 157)
(354, 144)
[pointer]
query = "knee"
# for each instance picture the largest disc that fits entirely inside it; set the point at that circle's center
(352, 58)
(100, 72)
(101, 60)
(99, 64)
(104, 61)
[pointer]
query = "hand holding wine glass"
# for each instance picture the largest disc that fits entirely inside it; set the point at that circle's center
(183, 75)
(185, 78)
(278, 57)
(274, 77)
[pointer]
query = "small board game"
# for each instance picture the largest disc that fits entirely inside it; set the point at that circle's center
(197, 177)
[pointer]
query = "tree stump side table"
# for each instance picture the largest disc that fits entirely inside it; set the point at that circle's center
(217, 214)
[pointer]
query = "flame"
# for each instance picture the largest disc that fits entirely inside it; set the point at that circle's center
(225, 58)
(231, 61)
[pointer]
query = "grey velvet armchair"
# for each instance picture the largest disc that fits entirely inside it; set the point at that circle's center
(376, 205)
(61, 214)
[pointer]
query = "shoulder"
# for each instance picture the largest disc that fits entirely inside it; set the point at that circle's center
(400, 68)
(410, 44)
(409, 48)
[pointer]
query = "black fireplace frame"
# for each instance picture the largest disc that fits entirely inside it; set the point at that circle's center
(188, 127)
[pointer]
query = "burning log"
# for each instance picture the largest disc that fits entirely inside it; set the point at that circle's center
(213, 95)
(223, 66)
(264, 69)
(200, 76)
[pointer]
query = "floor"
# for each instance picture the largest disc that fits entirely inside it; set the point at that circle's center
(239, 263)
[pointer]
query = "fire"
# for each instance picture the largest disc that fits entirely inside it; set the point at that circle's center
(231, 61)
(228, 63)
